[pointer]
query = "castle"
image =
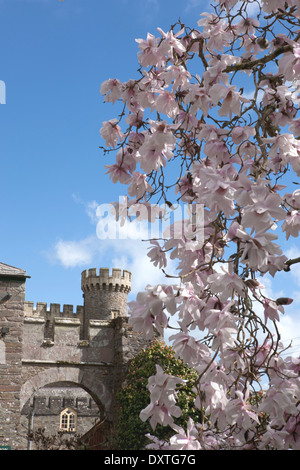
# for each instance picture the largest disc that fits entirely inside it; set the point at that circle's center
(61, 365)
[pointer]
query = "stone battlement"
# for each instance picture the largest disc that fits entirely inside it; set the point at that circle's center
(50, 405)
(55, 310)
(103, 280)
(54, 348)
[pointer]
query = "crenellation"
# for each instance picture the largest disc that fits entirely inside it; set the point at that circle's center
(118, 280)
(41, 309)
(88, 346)
(53, 405)
(55, 310)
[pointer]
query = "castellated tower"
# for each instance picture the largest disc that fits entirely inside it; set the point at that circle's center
(105, 294)
(46, 349)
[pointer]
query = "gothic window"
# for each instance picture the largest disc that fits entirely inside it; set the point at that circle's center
(68, 420)
(115, 313)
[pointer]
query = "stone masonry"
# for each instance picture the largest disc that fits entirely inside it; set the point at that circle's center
(43, 346)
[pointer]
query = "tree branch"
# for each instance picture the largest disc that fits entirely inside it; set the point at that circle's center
(290, 262)
(252, 63)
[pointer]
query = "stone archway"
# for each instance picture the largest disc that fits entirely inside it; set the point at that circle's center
(91, 382)
(45, 395)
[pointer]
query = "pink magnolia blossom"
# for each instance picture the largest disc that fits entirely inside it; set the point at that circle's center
(240, 412)
(216, 31)
(118, 173)
(121, 171)
(171, 43)
(111, 89)
(146, 313)
(187, 121)
(216, 401)
(111, 132)
(293, 199)
(257, 250)
(212, 121)
(246, 26)
(139, 185)
(217, 320)
(295, 127)
(214, 188)
(273, 5)
(199, 99)
(160, 414)
(289, 64)
(215, 73)
(292, 428)
(263, 207)
(278, 403)
(177, 76)
(135, 119)
(162, 399)
(232, 99)
(189, 349)
(227, 4)
(191, 306)
(225, 284)
(284, 144)
(157, 255)
(153, 155)
(162, 386)
(291, 225)
(149, 52)
(166, 104)
(129, 95)
(239, 133)
(273, 439)
(271, 310)
(185, 440)
(157, 147)
(224, 338)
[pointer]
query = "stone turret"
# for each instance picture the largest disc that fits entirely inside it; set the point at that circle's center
(105, 294)
(88, 346)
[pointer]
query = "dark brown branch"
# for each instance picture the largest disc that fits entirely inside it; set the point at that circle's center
(290, 262)
(264, 60)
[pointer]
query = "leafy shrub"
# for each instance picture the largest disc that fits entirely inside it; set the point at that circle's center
(135, 396)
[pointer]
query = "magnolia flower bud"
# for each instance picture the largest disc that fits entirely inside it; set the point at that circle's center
(263, 43)
(283, 301)
(252, 283)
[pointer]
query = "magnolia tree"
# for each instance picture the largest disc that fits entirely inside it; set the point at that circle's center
(211, 122)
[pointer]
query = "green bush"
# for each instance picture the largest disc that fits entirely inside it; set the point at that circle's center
(135, 396)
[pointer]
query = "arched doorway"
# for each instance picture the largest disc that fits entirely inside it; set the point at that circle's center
(50, 393)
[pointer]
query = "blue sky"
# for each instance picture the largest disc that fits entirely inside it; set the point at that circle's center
(54, 57)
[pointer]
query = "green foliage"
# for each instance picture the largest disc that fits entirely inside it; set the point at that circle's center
(135, 396)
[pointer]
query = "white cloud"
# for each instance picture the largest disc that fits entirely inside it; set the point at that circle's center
(250, 95)
(71, 253)
(289, 324)
(124, 254)
(289, 328)
(124, 248)
(131, 253)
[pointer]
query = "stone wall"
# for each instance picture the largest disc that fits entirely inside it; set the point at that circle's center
(12, 295)
(86, 346)
(44, 408)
